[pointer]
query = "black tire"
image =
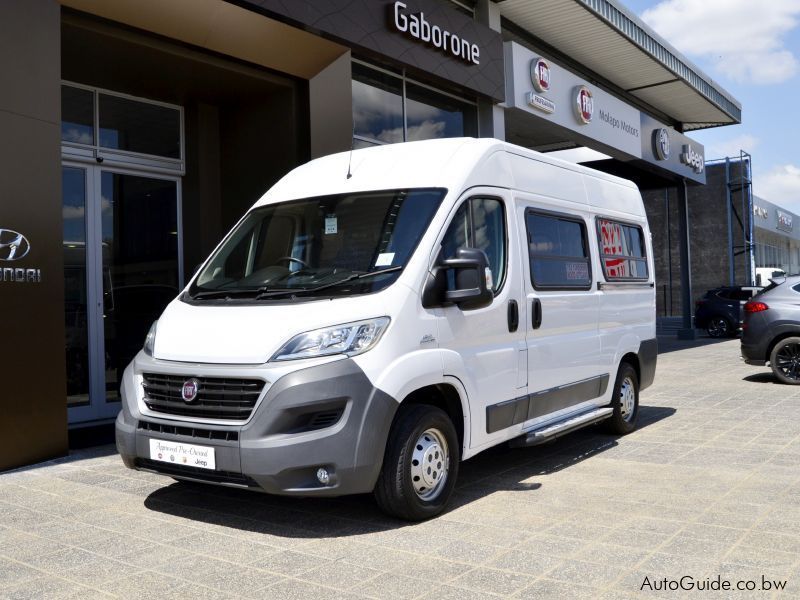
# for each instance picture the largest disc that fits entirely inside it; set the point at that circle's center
(623, 420)
(719, 327)
(784, 360)
(395, 492)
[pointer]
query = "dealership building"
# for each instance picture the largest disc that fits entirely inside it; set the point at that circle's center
(139, 131)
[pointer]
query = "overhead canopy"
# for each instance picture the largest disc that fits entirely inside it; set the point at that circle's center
(609, 40)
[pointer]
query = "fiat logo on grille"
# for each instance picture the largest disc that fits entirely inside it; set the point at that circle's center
(189, 390)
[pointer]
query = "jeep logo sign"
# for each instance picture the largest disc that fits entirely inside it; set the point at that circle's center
(692, 159)
(420, 29)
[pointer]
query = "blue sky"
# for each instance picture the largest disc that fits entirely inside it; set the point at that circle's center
(752, 50)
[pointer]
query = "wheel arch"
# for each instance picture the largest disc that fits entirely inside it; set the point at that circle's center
(446, 397)
(782, 335)
(633, 359)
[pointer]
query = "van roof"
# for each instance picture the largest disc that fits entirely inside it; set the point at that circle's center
(446, 163)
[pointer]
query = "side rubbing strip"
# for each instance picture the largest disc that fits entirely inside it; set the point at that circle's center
(512, 412)
(505, 414)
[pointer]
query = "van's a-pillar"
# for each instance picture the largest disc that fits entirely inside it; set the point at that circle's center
(687, 330)
(491, 116)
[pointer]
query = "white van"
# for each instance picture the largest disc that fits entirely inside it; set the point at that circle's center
(381, 315)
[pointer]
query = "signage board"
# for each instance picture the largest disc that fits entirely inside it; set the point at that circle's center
(668, 149)
(773, 218)
(429, 36)
(569, 101)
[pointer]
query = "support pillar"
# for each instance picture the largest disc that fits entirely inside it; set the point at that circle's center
(491, 117)
(687, 331)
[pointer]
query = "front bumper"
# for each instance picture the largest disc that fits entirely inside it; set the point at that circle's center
(273, 451)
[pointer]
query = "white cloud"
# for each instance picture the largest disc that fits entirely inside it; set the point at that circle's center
(731, 147)
(73, 212)
(426, 130)
(743, 38)
(79, 136)
(780, 185)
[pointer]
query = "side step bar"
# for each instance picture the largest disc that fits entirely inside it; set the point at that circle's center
(551, 432)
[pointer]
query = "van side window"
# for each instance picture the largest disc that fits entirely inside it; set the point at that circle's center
(479, 223)
(622, 250)
(559, 251)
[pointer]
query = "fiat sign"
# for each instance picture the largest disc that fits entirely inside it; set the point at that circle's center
(584, 104)
(540, 75)
(189, 390)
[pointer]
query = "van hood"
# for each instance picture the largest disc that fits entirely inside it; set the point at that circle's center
(239, 334)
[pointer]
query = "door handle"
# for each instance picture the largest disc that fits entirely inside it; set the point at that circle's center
(537, 313)
(513, 316)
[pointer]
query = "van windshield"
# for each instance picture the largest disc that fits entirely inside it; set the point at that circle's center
(336, 245)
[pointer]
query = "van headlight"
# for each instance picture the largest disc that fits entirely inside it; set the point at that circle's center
(150, 340)
(350, 339)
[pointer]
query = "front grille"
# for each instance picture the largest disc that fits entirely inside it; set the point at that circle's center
(195, 432)
(217, 398)
(230, 477)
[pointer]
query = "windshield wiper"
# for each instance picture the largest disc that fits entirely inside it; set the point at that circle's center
(354, 276)
(235, 292)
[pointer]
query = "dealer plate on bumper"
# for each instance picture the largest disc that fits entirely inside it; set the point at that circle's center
(178, 453)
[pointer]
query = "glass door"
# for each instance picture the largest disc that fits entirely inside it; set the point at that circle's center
(122, 267)
(75, 185)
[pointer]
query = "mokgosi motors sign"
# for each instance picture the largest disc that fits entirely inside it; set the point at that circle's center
(418, 27)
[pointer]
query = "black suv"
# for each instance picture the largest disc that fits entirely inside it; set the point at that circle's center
(719, 311)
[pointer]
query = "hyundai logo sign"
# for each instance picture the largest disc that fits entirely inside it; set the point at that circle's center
(13, 245)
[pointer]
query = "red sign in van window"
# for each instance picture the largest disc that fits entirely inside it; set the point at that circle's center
(613, 244)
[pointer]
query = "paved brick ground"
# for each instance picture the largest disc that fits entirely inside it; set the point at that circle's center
(709, 485)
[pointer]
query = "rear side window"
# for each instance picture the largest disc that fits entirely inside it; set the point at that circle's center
(622, 251)
(741, 294)
(559, 251)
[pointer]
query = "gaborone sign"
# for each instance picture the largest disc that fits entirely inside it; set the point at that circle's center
(419, 28)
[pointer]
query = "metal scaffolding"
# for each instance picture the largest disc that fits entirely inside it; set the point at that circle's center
(739, 190)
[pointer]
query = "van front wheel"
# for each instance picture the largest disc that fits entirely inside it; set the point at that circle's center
(624, 401)
(420, 465)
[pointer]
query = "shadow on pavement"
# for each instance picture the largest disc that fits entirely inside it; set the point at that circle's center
(766, 377)
(498, 469)
(670, 343)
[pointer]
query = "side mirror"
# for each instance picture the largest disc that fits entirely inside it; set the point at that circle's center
(470, 269)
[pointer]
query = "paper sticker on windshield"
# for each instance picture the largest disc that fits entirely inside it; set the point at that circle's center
(331, 225)
(577, 271)
(384, 259)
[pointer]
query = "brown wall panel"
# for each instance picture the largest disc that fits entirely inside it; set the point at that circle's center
(33, 421)
(368, 28)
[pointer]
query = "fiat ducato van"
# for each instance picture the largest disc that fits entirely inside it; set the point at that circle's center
(381, 315)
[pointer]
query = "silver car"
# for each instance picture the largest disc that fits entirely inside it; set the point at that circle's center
(771, 329)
